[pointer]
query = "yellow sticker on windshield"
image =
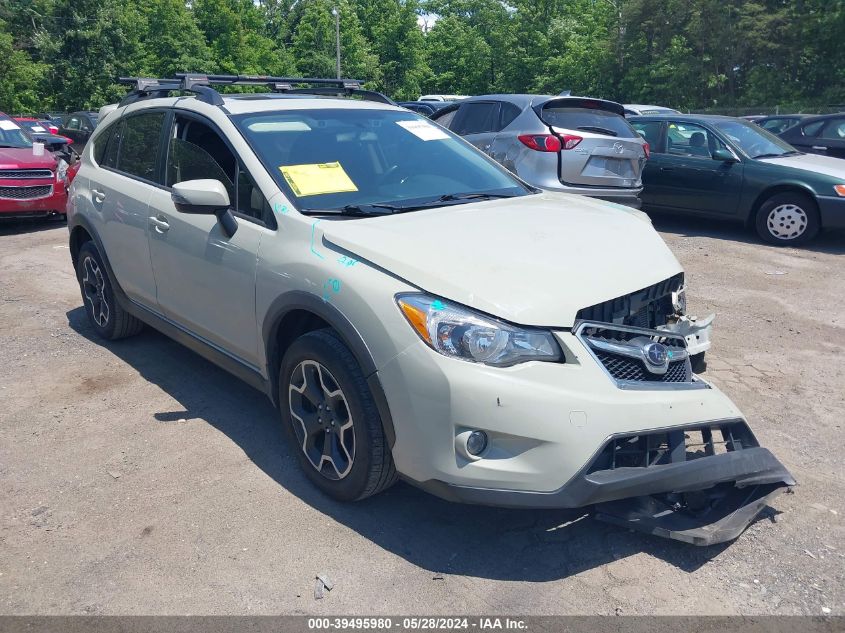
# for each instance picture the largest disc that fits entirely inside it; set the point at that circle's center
(317, 178)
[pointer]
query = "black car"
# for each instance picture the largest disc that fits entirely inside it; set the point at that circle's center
(426, 108)
(823, 134)
(780, 123)
(78, 126)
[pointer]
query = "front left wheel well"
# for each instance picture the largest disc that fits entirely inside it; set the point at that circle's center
(289, 328)
(78, 237)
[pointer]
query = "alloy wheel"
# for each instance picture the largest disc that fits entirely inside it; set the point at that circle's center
(93, 287)
(321, 419)
(787, 221)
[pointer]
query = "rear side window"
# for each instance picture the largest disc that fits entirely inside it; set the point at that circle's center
(650, 131)
(111, 146)
(588, 120)
(812, 129)
(101, 144)
(445, 118)
(139, 148)
(834, 130)
(477, 118)
(508, 113)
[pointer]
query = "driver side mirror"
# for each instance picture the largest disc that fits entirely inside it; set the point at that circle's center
(724, 155)
(205, 197)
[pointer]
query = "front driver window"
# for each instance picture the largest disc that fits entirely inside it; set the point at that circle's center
(198, 152)
(689, 139)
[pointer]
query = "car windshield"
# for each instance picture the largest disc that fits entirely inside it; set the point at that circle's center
(11, 135)
(342, 159)
(754, 140)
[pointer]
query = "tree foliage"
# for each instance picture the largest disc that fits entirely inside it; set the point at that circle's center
(66, 54)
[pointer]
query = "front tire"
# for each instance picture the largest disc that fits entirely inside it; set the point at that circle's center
(105, 314)
(332, 420)
(788, 219)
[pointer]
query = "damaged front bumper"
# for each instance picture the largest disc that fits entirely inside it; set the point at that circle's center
(696, 332)
(701, 484)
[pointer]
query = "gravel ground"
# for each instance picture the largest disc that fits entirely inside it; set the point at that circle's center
(139, 479)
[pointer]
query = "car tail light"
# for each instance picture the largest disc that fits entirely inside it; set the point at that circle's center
(570, 140)
(647, 150)
(541, 142)
(840, 189)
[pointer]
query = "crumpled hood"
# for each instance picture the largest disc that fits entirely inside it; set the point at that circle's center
(812, 162)
(23, 158)
(535, 260)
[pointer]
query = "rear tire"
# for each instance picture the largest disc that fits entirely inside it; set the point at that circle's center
(105, 314)
(788, 219)
(332, 420)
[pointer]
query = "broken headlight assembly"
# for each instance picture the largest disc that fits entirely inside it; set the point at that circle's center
(679, 301)
(459, 332)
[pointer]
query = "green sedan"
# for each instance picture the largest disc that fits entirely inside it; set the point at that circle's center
(721, 167)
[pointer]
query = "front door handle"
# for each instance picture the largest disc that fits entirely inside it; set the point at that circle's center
(99, 196)
(159, 224)
(819, 147)
(667, 169)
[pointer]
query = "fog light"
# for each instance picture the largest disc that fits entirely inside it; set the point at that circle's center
(476, 442)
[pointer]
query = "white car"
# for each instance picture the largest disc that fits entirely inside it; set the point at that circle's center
(412, 308)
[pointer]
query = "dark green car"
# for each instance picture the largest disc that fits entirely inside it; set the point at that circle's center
(722, 167)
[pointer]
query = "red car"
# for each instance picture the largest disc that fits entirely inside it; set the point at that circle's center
(31, 184)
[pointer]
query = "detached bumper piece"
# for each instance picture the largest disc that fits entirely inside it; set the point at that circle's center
(701, 517)
(689, 485)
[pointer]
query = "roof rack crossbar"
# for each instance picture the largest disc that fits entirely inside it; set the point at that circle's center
(201, 85)
(267, 80)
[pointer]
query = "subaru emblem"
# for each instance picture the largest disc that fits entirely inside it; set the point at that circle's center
(656, 354)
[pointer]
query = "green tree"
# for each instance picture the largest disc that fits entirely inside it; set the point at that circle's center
(178, 44)
(313, 42)
(459, 58)
(20, 77)
(238, 43)
(391, 27)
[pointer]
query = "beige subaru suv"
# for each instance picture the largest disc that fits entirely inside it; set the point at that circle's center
(412, 308)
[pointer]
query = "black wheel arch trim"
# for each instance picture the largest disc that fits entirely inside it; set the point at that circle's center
(288, 302)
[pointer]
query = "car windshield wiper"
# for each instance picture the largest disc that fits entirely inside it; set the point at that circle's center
(385, 208)
(773, 155)
(597, 130)
(479, 195)
(361, 210)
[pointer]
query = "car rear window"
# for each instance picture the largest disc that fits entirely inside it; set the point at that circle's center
(587, 120)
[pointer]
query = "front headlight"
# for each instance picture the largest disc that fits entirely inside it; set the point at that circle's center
(61, 170)
(459, 332)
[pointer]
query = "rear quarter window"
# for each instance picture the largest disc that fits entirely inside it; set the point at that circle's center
(588, 120)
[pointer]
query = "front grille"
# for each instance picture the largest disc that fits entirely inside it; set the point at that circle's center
(26, 193)
(623, 352)
(646, 308)
(25, 174)
(654, 448)
(625, 369)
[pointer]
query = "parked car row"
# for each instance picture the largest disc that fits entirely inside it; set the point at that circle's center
(762, 173)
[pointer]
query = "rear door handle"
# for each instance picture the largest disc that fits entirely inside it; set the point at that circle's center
(819, 147)
(159, 224)
(667, 169)
(99, 196)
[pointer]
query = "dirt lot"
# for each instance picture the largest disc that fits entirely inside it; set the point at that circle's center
(139, 479)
